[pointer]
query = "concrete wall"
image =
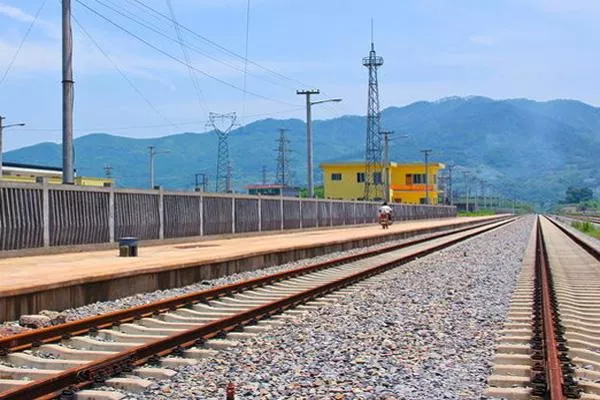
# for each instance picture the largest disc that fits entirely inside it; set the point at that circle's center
(42, 215)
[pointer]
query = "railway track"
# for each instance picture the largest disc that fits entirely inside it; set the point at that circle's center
(587, 218)
(67, 360)
(550, 345)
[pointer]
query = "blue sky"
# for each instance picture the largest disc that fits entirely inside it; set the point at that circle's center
(540, 49)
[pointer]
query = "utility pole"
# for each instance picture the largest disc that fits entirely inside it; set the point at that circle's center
(426, 153)
(386, 163)
(467, 186)
(482, 183)
(67, 99)
(309, 146)
(153, 153)
(203, 182)
(2, 127)
(450, 168)
(476, 200)
(264, 174)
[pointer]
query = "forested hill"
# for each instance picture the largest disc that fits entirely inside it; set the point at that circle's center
(532, 150)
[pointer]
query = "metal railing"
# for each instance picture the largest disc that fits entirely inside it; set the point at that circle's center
(42, 215)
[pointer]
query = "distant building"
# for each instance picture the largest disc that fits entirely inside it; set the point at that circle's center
(408, 183)
(273, 190)
(28, 173)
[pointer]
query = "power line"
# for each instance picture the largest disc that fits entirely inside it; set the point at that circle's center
(246, 58)
(185, 54)
(12, 61)
(231, 85)
(141, 7)
(123, 75)
(222, 48)
(135, 18)
(178, 124)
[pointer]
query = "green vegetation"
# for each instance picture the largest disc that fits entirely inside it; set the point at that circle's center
(578, 195)
(527, 150)
(319, 192)
(587, 228)
(478, 213)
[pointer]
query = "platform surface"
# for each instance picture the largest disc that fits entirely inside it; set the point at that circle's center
(28, 274)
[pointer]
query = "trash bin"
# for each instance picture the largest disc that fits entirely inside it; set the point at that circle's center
(128, 247)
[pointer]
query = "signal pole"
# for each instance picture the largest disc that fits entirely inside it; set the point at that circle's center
(426, 153)
(67, 99)
(386, 163)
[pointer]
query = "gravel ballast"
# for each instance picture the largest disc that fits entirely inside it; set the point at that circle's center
(145, 298)
(425, 330)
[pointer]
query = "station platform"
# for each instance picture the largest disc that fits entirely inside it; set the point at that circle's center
(61, 281)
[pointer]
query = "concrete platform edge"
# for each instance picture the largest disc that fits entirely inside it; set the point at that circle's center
(82, 293)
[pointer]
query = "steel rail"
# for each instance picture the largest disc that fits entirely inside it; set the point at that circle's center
(56, 333)
(552, 364)
(99, 370)
(586, 246)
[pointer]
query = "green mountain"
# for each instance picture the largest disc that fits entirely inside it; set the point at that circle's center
(526, 149)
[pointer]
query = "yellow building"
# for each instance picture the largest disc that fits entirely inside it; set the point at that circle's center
(27, 173)
(408, 183)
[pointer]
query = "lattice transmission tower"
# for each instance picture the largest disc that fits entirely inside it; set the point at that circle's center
(374, 146)
(283, 159)
(222, 124)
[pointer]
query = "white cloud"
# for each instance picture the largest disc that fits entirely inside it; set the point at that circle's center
(19, 15)
(15, 13)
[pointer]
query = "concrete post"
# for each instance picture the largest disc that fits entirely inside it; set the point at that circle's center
(111, 215)
(330, 213)
(259, 214)
(300, 211)
(232, 214)
(281, 212)
(201, 215)
(45, 210)
(161, 214)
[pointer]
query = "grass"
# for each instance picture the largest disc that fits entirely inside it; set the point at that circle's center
(587, 228)
(478, 213)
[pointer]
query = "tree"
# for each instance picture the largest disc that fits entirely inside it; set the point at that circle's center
(578, 195)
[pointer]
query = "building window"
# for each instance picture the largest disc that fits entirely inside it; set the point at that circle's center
(360, 177)
(377, 178)
(416, 179)
(336, 176)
